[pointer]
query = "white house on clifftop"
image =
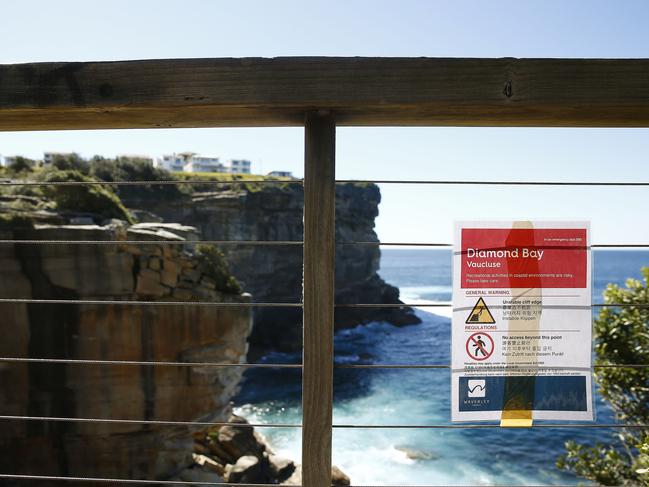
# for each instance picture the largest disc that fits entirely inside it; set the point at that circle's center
(193, 163)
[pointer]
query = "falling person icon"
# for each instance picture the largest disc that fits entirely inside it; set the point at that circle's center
(476, 315)
(480, 313)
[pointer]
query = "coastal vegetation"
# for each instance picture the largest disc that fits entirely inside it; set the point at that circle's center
(107, 200)
(20, 165)
(621, 338)
(124, 168)
(92, 198)
(212, 259)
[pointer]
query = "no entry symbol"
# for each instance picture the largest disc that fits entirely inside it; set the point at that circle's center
(480, 346)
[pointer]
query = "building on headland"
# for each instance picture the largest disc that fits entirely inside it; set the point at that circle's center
(196, 163)
(176, 162)
(239, 166)
(193, 163)
(170, 162)
(281, 174)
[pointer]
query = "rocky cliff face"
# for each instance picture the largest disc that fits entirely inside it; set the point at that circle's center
(143, 333)
(110, 332)
(274, 273)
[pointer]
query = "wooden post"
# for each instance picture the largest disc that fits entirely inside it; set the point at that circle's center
(318, 322)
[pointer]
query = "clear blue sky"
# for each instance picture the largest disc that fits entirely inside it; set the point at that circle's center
(91, 30)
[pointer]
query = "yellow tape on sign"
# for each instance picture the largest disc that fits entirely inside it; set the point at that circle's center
(513, 414)
(516, 418)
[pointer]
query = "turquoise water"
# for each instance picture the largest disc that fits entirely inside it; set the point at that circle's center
(405, 396)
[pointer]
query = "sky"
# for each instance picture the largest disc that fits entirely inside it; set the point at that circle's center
(66, 30)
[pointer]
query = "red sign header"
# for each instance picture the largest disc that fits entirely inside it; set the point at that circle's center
(524, 258)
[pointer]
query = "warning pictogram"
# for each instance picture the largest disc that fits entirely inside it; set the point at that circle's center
(480, 346)
(480, 314)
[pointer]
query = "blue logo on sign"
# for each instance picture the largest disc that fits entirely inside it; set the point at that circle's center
(542, 393)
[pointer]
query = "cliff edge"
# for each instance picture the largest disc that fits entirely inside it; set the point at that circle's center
(107, 332)
(273, 273)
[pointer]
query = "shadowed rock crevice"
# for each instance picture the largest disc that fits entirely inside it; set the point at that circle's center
(51, 327)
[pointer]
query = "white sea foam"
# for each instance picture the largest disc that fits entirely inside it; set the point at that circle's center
(415, 295)
(376, 457)
(391, 456)
(402, 396)
(418, 291)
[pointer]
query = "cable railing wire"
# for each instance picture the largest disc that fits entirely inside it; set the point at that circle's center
(507, 368)
(149, 303)
(153, 422)
(127, 481)
(260, 243)
(286, 305)
(190, 482)
(287, 366)
(449, 305)
(338, 181)
(491, 183)
(147, 363)
(151, 242)
(491, 426)
(336, 426)
(164, 182)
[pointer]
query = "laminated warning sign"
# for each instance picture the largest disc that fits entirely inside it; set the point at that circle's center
(521, 330)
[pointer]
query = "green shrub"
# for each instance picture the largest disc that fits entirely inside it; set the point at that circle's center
(70, 162)
(642, 462)
(243, 182)
(133, 169)
(21, 165)
(621, 337)
(216, 267)
(93, 198)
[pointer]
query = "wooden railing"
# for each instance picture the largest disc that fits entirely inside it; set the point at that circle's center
(319, 94)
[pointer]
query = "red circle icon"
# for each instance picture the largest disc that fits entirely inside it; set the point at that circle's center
(480, 346)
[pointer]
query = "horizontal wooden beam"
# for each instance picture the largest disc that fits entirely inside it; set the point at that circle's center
(359, 91)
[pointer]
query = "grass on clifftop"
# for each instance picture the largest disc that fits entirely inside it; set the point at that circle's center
(246, 180)
(93, 198)
(97, 199)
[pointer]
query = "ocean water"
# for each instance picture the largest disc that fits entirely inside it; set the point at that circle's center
(406, 396)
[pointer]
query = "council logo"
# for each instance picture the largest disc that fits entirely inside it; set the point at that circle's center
(476, 388)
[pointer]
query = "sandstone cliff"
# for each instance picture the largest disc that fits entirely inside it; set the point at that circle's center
(110, 332)
(144, 333)
(274, 273)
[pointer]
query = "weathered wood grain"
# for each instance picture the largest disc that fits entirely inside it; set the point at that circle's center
(360, 91)
(319, 247)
